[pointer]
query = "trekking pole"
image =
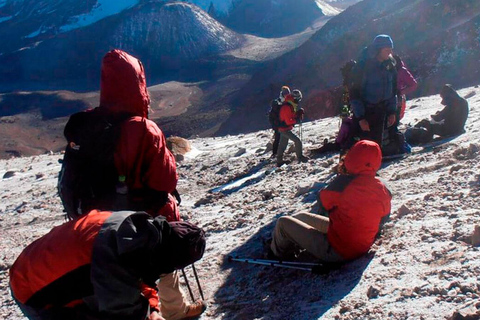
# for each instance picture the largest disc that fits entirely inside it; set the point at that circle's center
(316, 268)
(188, 285)
(198, 281)
(301, 131)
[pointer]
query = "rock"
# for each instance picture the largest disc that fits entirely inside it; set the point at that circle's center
(303, 188)
(476, 236)
(179, 157)
(9, 174)
(403, 211)
(467, 312)
(39, 175)
(372, 292)
(240, 152)
(178, 145)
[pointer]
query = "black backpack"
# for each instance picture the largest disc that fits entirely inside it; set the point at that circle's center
(88, 171)
(274, 114)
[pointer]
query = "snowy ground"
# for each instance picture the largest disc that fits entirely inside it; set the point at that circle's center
(423, 267)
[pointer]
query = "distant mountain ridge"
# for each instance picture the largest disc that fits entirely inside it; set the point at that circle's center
(163, 35)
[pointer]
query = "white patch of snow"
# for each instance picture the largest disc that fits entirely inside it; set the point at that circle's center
(34, 34)
(221, 6)
(103, 9)
(5, 18)
(327, 9)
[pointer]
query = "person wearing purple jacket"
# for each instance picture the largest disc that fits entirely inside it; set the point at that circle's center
(406, 84)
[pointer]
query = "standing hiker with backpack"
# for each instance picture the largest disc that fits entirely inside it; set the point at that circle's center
(274, 117)
(117, 159)
(374, 90)
(356, 204)
(290, 115)
(102, 266)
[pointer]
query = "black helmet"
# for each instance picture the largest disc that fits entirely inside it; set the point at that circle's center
(297, 95)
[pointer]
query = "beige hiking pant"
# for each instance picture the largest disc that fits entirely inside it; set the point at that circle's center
(307, 231)
(173, 304)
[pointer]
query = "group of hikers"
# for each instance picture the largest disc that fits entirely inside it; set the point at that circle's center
(118, 257)
(373, 103)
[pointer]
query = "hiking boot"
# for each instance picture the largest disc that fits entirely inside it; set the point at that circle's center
(195, 309)
(303, 159)
(281, 163)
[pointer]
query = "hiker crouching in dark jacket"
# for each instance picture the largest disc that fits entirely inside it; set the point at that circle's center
(102, 266)
(374, 92)
(357, 205)
(448, 122)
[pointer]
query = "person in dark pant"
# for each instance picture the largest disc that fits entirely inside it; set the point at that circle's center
(289, 116)
(374, 91)
(274, 115)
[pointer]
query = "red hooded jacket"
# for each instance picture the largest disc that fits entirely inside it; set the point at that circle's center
(142, 155)
(357, 202)
(287, 114)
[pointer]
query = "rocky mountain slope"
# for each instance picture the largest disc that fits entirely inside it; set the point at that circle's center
(426, 265)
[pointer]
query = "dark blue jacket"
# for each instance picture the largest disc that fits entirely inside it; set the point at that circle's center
(374, 83)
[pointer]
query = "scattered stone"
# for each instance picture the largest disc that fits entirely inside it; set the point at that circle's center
(178, 145)
(240, 152)
(39, 175)
(179, 157)
(403, 211)
(222, 170)
(303, 188)
(372, 292)
(9, 174)
(476, 236)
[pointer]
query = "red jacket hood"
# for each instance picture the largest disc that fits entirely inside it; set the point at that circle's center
(365, 157)
(123, 88)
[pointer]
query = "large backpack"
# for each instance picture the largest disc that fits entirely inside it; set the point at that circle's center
(88, 171)
(274, 114)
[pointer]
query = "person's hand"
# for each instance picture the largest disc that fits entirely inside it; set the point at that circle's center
(364, 125)
(391, 120)
(155, 316)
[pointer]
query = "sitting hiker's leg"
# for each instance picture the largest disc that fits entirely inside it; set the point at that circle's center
(172, 299)
(318, 222)
(291, 232)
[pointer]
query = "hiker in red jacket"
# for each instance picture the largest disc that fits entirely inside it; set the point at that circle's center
(102, 266)
(357, 205)
(147, 173)
(289, 116)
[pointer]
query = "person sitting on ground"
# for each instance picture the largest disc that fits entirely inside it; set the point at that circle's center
(344, 137)
(290, 115)
(102, 266)
(357, 205)
(446, 123)
(274, 117)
